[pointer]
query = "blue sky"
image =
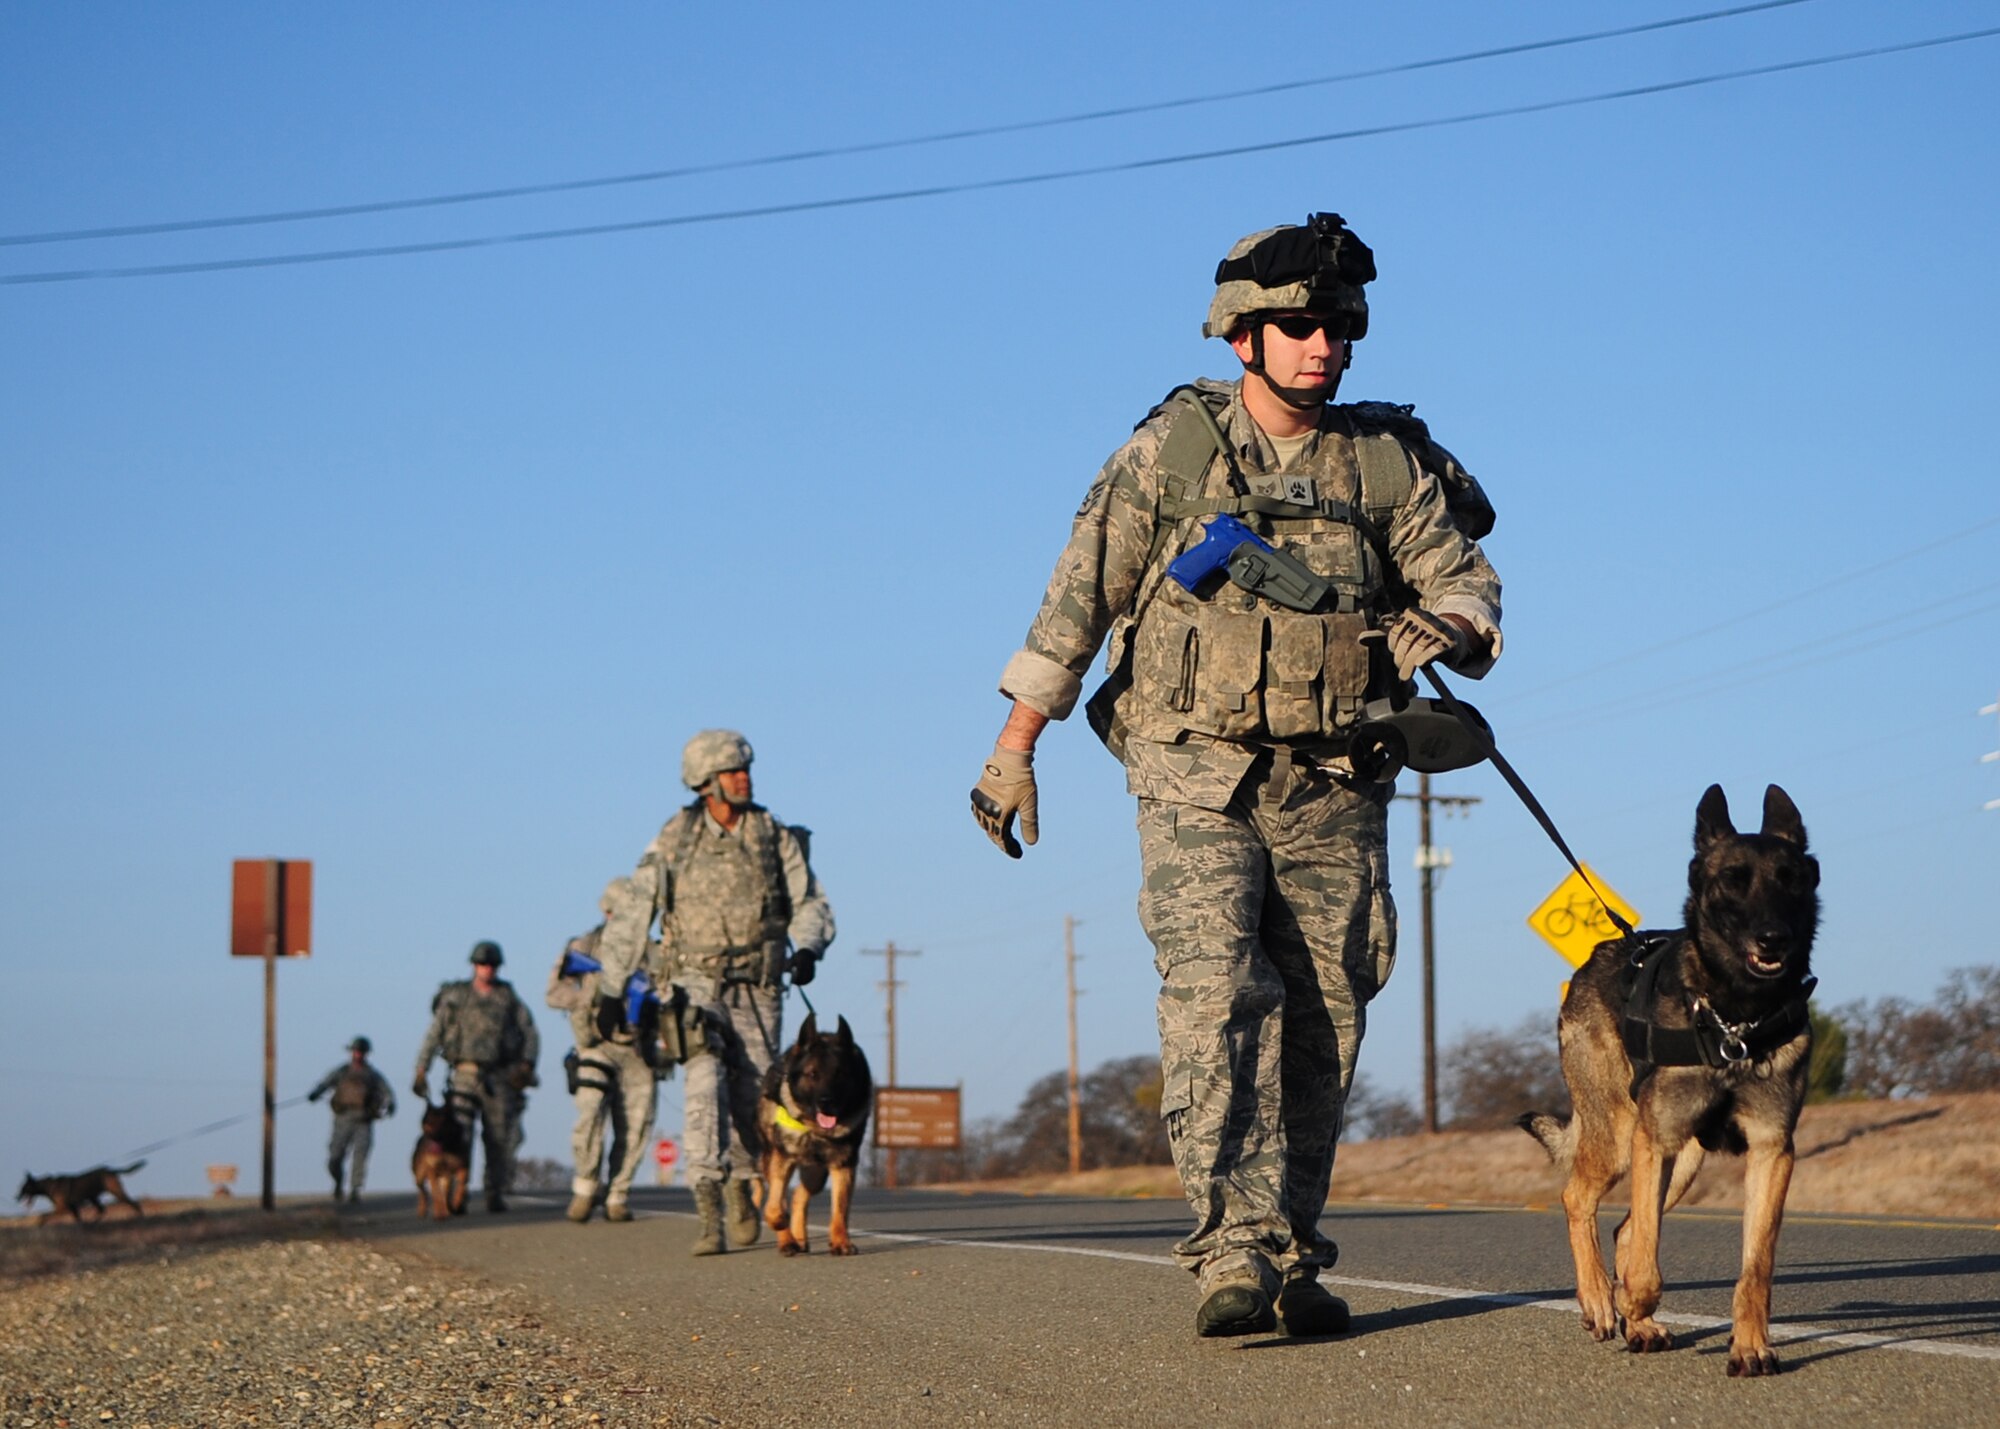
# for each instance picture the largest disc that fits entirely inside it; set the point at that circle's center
(424, 567)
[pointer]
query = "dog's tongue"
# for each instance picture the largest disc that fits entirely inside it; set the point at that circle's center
(826, 1123)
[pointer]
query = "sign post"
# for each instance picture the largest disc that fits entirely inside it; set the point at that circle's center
(270, 918)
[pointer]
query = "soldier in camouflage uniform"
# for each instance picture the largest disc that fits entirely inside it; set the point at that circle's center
(361, 1097)
(487, 1038)
(614, 1077)
(733, 890)
(1266, 885)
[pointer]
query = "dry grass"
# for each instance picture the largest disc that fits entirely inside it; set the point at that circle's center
(1932, 1156)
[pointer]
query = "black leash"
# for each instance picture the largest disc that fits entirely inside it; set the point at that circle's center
(1533, 805)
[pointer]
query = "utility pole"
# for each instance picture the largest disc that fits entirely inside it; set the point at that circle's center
(1430, 858)
(1075, 1095)
(889, 952)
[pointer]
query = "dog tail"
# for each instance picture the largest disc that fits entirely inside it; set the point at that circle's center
(1556, 1133)
(128, 1170)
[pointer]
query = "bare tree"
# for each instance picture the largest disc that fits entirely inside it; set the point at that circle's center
(1373, 1115)
(1489, 1076)
(1897, 1048)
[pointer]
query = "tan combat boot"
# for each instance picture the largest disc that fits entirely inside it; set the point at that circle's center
(708, 1205)
(743, 1222)
(579, 1206)
(617, 1211)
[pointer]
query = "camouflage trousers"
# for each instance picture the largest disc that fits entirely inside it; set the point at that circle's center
(477, 1093)
(353, 1135)
(723, 1084)
(1272, 928)
(614, 1086)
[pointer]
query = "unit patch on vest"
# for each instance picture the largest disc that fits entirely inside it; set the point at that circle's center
(1279, 486)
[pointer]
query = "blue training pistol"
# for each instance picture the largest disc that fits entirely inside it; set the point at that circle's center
(1252, 563)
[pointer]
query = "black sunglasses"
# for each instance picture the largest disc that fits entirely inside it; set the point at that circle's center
(1300, 326)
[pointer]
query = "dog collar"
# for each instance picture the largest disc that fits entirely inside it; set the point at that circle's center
(1710, 1041)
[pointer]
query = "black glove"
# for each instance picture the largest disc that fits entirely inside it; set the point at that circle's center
(422, 1086)
(805, 963)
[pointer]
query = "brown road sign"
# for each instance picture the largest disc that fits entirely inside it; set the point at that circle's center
(916, 1118)
(263, 891)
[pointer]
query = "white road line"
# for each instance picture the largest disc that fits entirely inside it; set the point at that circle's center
(1781, 1331)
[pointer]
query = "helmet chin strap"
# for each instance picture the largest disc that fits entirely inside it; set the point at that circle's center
(1299, 399)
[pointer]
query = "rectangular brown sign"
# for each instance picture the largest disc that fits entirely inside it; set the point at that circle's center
(271, 896)
(917, 1118)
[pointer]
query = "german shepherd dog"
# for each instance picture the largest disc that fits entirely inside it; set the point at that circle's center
(440, 1163)
(85, 1188)
(1733, 985)
(813, 1116)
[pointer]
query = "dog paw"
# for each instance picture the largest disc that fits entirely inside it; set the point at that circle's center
(1749, 1363)
(1601, 1323)
(1647, 1337)
(844, 1247)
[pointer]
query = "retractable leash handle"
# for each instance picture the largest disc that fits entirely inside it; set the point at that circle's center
(1533, 805)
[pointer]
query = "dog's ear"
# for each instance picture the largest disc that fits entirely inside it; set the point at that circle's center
(1711, 819)
(809, 1029)
(1781, 817)
(846, 1037)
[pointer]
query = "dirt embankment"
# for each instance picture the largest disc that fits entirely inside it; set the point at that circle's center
(1931, 1156)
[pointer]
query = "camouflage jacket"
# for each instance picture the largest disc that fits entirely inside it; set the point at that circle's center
(726, 901)
(494, 1030)
(1108, 572)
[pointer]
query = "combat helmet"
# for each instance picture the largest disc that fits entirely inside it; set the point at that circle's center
(1316, 267)
(361, 1045)
(485, 953)
(710, 753)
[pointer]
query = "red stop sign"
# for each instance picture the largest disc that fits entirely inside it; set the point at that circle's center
(665, 1151)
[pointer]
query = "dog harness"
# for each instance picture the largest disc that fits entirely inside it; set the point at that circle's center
(1710, 1041)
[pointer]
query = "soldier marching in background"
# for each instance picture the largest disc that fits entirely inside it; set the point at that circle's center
(487, 1037)
(732, 890)
(361, 1097)
(611, 1071)
(1240, 680)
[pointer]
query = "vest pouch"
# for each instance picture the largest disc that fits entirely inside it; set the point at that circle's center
(1163, 660)
(1228, 654)
(1344, 685)
(1292, 664)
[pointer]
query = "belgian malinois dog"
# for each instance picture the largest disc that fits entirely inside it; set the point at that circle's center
(813, 1116)
(85, 1188)
(1711, 1054)
(440, 1163)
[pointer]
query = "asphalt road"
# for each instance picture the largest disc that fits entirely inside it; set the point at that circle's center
(1052, 1310)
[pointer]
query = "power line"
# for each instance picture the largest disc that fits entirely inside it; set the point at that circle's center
(774, 210)
(875, 146)
(1759, 612)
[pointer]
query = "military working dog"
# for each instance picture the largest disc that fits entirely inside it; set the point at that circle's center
(85, 1188)
(1678, 1044)
(440, 1163)
(813, 1116)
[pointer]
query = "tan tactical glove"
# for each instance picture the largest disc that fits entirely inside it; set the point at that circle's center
(1416, 637)
(1007, 788)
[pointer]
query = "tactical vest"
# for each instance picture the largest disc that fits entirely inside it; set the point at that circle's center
(478, 1029)
(1235, 665)
(729, 905)
(354, 1092)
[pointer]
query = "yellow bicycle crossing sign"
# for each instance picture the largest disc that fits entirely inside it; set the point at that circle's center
(1573, 921)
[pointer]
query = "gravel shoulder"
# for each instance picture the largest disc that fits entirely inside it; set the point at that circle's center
(292, 1331)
